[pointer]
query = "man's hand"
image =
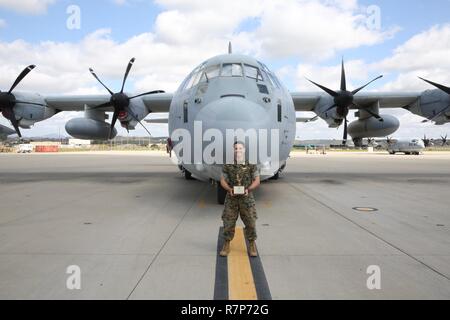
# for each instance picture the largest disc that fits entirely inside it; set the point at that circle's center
(225, 185)
(246, 192)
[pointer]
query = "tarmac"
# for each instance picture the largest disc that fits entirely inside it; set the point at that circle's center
(138, 230)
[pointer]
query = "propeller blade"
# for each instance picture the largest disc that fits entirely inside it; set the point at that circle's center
(22, 75)
(113, 122)
(344, 142)
(437, 114)
(329, 91)
(343, 82)
(9, 114)
(437, 85)
(389, 140)
(328, 109)
(95, 76)
(150, 92)
(373, 114)
(313, 119)
(130, 64)
(359, 89)
(444, 140)
(135, 118)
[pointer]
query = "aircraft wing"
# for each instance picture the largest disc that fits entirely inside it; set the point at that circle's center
(305, 101)
(155, 102)
(76, 102)
(388, 99)
(308, 101)
(158, 102)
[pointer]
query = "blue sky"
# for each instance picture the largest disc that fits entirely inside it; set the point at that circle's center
(136, 17)
(129, 18)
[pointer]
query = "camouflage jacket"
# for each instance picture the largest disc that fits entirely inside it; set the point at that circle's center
(243, 173)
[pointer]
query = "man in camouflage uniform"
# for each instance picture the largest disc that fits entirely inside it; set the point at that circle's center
(240, 173)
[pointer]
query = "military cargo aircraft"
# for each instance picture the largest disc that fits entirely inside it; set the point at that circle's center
(407, 146)
(229, 91)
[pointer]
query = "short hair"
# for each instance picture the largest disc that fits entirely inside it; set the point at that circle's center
(239, 142)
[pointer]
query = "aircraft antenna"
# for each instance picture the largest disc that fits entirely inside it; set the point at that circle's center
(230, 48)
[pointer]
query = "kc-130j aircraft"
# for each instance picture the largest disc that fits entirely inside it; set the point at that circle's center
(229, 91)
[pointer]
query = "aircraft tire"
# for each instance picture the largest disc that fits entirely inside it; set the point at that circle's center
(187, 175)
(276, 176)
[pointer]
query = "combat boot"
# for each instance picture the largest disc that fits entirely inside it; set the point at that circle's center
(252, 249)
(226, 249)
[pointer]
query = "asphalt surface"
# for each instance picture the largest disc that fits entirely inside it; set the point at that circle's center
(138, 230)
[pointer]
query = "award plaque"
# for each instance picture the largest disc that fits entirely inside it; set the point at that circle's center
(238, 189)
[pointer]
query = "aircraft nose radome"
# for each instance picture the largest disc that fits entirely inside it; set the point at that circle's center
(233, 113)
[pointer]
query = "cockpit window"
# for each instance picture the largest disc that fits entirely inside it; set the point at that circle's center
(210, 72)
(264, 67)
(232, 70)
(274, 80)
(266, 78)
(194, 79)
(252, 72)
(271, 75)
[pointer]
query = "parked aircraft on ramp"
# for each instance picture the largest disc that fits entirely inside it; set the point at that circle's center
(229, 91)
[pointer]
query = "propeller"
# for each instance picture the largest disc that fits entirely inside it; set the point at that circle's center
(389, 141)
(344, 99)
(426, 142)
(444, 140)
(8, 100)
(120, 101)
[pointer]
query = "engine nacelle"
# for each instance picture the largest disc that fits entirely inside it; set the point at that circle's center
(371, 127)
(29, 114)
(431, 104)
(330, 117)
(89, 129)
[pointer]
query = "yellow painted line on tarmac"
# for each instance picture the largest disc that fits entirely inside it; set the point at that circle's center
(202, 204)
(267, 204)
(241, 284)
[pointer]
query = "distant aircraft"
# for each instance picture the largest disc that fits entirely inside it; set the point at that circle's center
(228, 91)
(406, 146)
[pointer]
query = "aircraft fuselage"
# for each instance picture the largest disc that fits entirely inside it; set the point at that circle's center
(230, 92)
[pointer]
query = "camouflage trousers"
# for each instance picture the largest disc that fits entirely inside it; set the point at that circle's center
(243, 206)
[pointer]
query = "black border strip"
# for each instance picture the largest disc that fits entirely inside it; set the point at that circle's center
(221, 283)
(259, 277)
